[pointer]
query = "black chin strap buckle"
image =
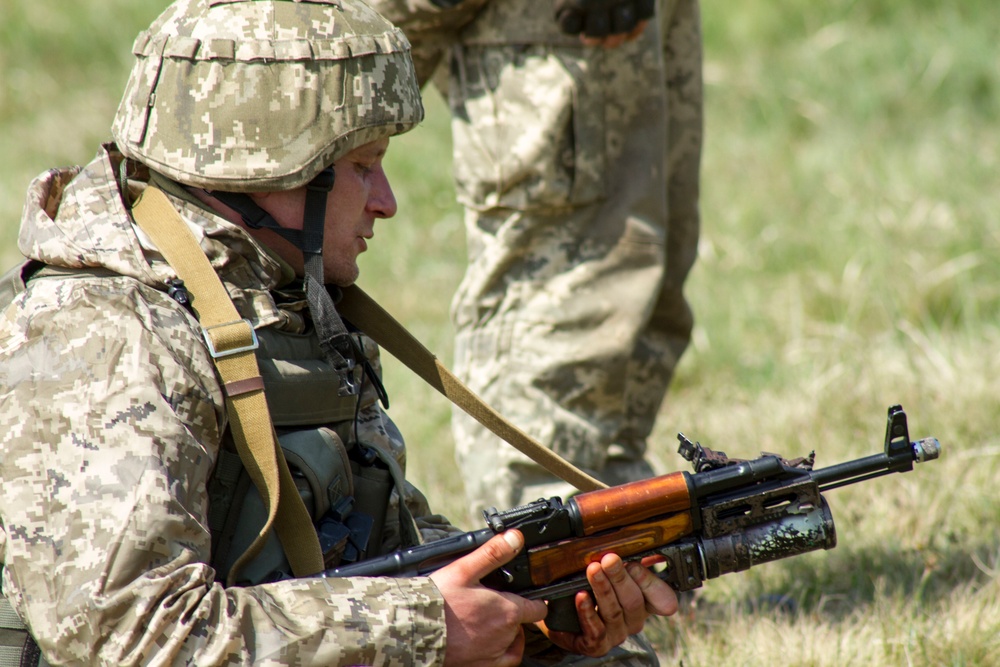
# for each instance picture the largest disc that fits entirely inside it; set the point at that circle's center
(323, 181)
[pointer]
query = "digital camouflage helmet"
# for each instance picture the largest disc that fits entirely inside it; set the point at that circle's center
(251, 96)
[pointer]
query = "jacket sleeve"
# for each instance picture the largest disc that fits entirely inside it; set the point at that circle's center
(430, 27)
(110, 421)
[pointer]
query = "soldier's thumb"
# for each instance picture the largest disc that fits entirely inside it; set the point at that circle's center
(498, 551)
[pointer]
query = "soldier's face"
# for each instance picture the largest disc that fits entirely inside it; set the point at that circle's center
(361, 194)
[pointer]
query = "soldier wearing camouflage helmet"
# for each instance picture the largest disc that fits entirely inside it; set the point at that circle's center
(123, 507)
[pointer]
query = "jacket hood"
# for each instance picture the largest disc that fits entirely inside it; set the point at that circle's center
(76, 218)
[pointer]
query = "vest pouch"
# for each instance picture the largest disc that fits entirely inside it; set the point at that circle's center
(321, 469)
(373, 486)
(17, 648)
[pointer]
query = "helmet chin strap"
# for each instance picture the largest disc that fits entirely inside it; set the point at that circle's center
(334, 339)
(309, 239)
(314, 224)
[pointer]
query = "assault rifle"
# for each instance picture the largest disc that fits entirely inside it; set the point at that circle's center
(728, 516)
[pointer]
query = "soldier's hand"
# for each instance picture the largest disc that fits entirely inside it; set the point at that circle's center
(624, 597)
(604, 22)
(484, 625)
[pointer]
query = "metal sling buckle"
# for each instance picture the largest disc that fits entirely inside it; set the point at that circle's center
(216, 354)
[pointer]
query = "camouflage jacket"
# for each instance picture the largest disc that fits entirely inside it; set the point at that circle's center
(111, 419)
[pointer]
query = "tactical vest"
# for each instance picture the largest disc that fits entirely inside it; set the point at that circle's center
(346, 487)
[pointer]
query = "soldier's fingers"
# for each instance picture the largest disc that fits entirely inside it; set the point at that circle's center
(638, 30)
(620, 600)
(659, 596)
(592, 640)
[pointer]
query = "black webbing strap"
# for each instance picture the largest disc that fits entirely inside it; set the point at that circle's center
(17, 648)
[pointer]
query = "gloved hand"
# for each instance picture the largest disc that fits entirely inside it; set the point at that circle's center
(600, 18)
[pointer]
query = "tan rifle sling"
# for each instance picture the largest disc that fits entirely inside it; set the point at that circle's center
(371, 318)
(231, 342)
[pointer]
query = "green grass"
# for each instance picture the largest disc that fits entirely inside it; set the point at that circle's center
(849, 261)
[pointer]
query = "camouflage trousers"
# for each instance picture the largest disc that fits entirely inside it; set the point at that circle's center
(579, 173)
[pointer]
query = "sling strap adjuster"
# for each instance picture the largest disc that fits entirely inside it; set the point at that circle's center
(217, 333)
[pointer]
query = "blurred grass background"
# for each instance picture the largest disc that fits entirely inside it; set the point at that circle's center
(849, 261)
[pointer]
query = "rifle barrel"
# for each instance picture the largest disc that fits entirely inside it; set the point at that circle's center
(875, 465)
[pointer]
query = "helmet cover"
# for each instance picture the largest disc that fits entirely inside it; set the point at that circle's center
(261, 95)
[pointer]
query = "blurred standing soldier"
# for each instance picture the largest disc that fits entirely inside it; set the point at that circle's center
(577, 129)
(129, 522)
